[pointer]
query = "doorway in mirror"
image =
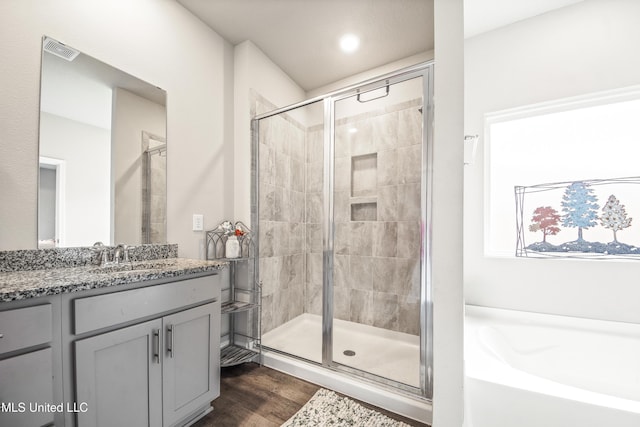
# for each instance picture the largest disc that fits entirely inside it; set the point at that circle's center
(51, 202)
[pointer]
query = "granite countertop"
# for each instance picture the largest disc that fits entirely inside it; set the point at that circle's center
(19, 285)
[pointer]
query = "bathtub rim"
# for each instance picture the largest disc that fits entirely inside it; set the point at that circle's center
(481, 365)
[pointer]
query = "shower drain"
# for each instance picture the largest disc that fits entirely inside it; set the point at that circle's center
(349, 353)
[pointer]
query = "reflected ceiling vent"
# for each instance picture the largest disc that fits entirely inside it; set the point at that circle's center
(59, 49)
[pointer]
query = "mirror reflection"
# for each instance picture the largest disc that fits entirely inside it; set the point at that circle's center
(103, 152)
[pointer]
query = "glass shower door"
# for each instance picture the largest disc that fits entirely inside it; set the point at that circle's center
(290, 199)
(377, 188)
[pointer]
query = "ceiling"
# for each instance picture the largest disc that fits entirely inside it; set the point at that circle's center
(301, 36)
(481, 16)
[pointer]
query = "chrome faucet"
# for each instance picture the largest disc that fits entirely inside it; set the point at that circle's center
(121, 253)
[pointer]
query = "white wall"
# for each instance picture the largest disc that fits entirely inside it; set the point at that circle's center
(132, 115)
(584, 48)
(157, 41)
(86, 151)
(448, 303)
(254, 70)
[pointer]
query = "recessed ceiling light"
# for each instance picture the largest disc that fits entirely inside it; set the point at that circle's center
(349, 43)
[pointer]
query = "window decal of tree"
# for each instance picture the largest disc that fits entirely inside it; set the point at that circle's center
(579, 207)
(614, 216)
(545, 219)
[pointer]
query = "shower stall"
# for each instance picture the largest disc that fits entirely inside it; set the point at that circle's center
(154, 189)
(341, 203)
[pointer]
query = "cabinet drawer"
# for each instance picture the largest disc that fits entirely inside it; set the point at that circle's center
(106, 310)
(25, 382)
(25, 327)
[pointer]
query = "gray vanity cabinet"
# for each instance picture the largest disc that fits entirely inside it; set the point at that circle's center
(118, 377)
(157, 373)
(29, 384)
(138, 353)
(190, 368)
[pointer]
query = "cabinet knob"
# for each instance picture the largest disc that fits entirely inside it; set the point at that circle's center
(1, 335)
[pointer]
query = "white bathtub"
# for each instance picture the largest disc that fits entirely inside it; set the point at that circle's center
(532, 370)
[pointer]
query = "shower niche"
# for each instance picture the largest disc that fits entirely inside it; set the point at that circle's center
(363, 201)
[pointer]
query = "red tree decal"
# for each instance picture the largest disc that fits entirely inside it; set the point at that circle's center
(545, 219)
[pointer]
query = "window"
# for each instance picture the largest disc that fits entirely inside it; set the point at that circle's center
(544, 149)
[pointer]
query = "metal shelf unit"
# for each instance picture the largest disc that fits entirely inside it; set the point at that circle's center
(241, 298)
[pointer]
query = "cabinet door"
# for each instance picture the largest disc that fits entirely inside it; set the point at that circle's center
(119, 377)
(25, 382)
(191, 366)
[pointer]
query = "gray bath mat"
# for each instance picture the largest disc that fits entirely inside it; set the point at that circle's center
(326, 408)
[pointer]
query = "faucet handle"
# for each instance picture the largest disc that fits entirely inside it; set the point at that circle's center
(101, 252)
(125, 253)
(98, 247)
(105, 257)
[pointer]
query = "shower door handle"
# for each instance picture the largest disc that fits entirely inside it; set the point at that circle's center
(362, 101)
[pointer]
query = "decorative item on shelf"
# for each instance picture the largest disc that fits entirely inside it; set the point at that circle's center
(229, 240)
(232, 247)
(241, 300)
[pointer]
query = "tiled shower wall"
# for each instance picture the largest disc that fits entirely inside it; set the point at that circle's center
(377, 254)
(377, 178)
(158, 198)
(313, 219)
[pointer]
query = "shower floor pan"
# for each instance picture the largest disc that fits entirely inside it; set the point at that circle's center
(389, 354)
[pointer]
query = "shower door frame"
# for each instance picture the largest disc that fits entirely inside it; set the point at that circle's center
(425, 71)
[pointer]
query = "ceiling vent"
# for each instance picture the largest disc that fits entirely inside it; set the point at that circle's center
(59, 49)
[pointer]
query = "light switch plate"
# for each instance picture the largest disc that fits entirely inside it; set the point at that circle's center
(198, 222)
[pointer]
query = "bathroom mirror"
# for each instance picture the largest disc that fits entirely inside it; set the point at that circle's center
(102, 153)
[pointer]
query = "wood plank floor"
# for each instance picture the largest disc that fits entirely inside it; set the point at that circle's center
(253, 395)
